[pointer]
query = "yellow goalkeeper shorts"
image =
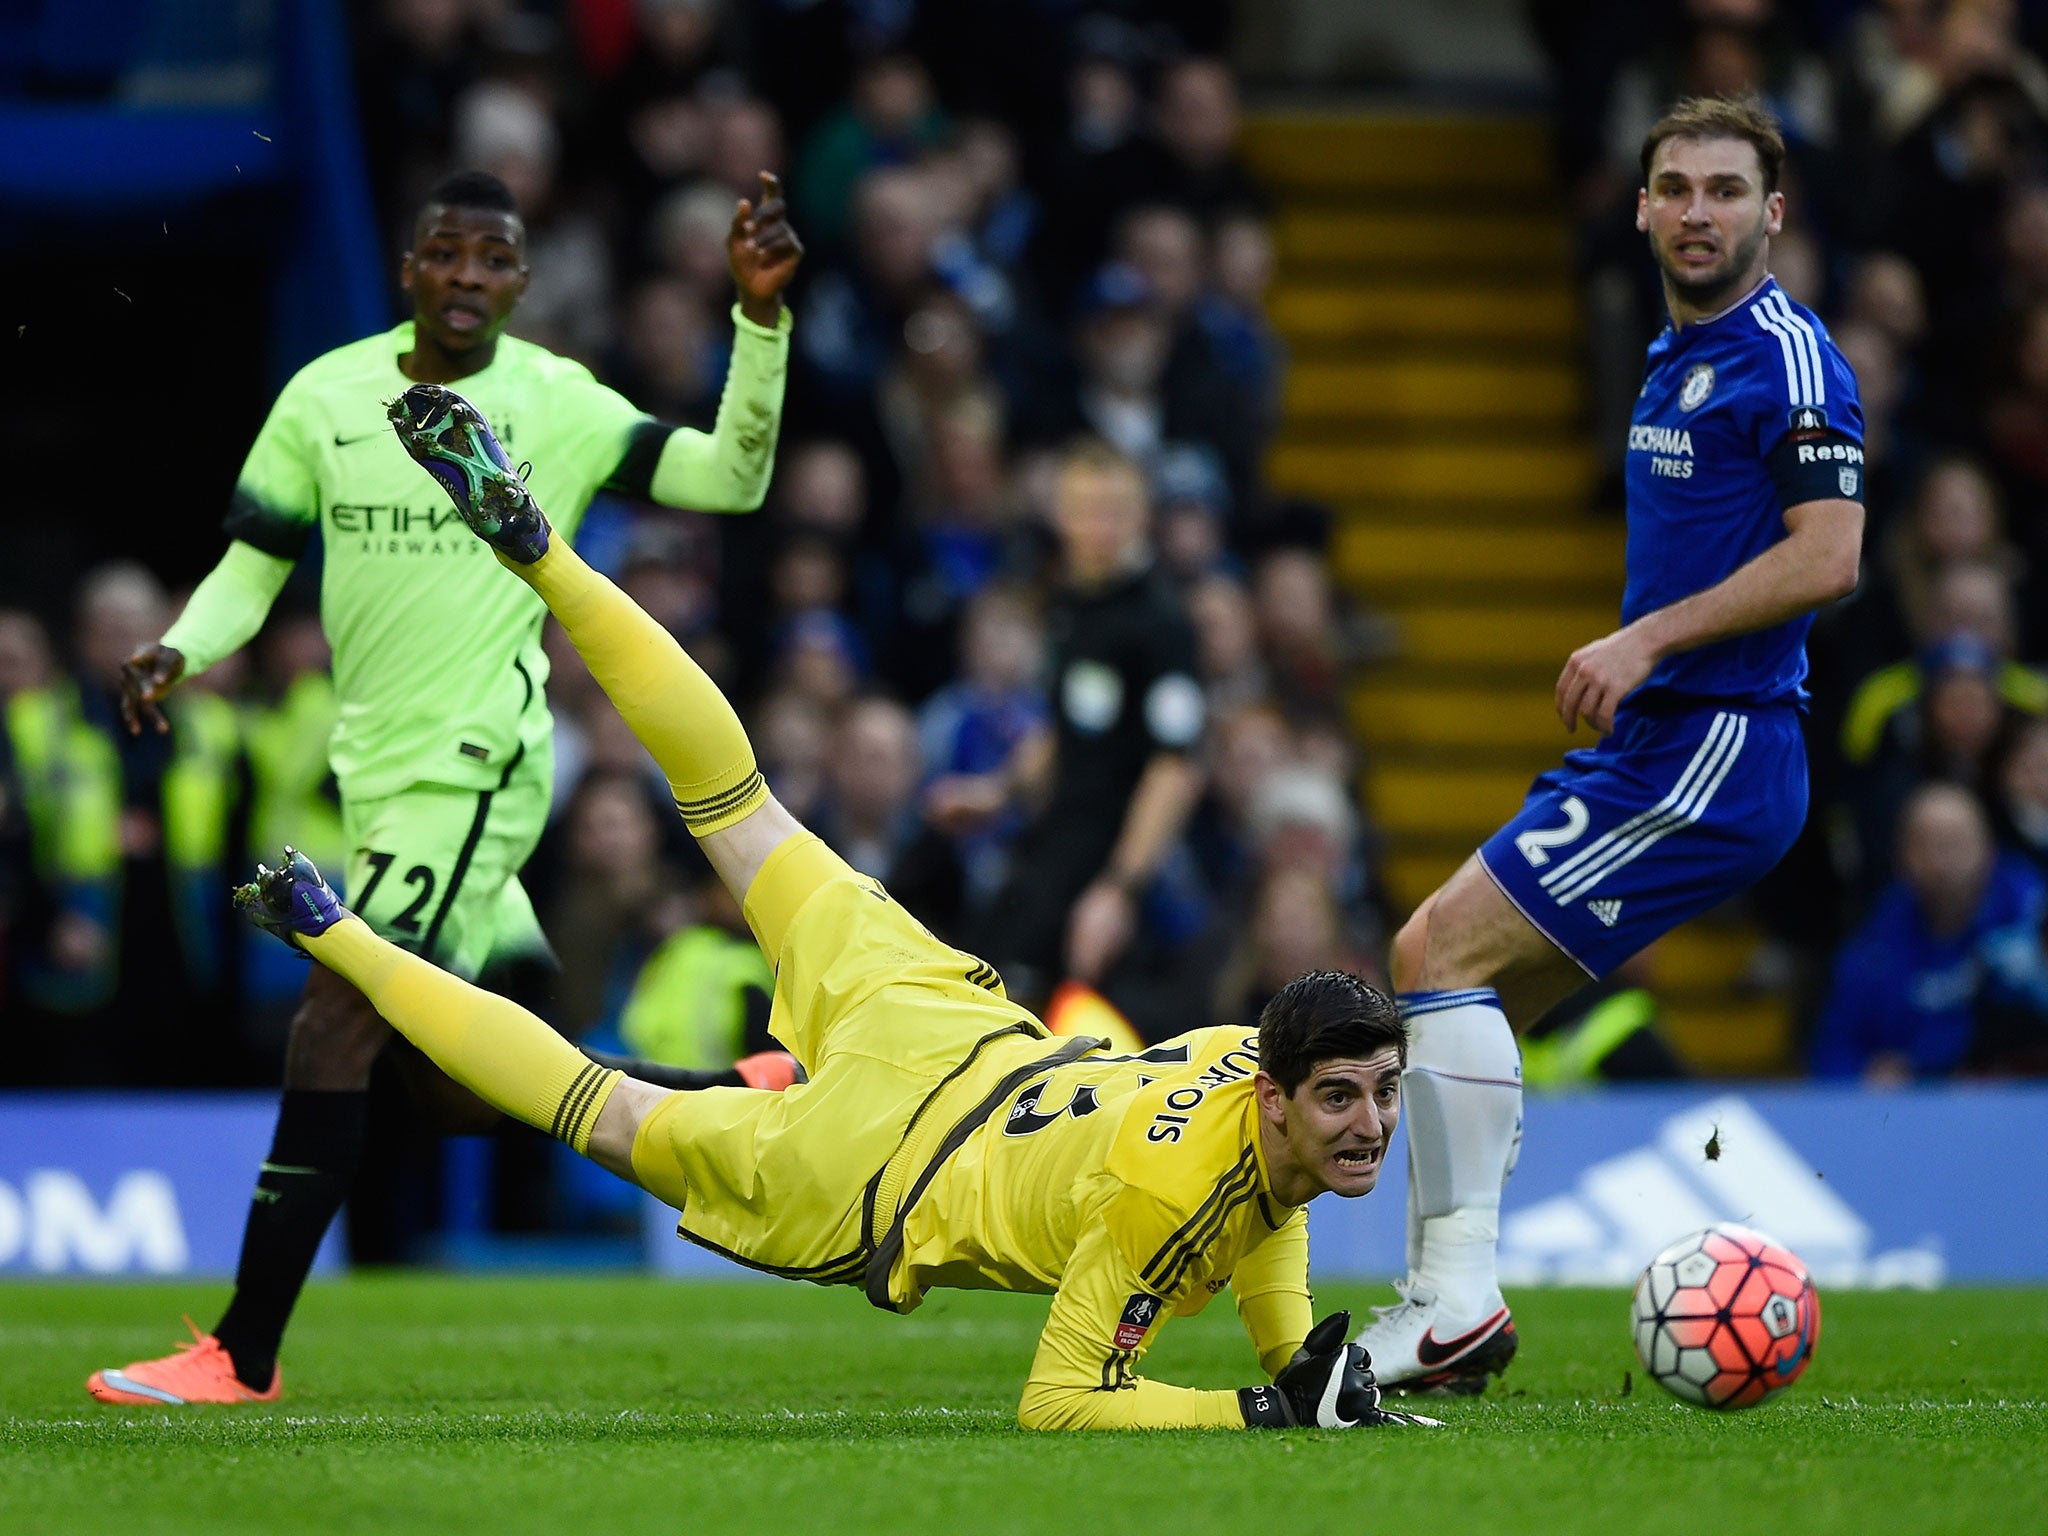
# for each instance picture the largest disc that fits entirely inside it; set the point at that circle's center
(881, 1014)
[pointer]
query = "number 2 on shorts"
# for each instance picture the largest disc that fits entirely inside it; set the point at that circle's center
(1536, 843)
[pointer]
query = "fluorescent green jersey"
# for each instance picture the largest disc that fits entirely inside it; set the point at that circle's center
(437, 657)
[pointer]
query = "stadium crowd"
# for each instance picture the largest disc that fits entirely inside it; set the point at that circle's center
(1006, 253)
(1011, 247)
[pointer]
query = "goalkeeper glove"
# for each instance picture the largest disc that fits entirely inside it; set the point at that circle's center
(1327, 1385)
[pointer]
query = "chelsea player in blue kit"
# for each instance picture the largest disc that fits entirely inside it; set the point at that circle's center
(1745, 485)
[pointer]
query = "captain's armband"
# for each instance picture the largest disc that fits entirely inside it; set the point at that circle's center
(1815, 461)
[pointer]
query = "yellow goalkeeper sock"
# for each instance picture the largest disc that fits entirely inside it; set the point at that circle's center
(671, 704)
(494, 1048)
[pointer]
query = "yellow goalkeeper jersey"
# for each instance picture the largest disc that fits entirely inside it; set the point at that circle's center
(1134, 1189)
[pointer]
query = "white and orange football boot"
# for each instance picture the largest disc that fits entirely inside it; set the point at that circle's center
(199, 1372)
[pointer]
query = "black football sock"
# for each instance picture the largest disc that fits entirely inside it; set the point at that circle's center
(663, 1075)
(314, 1154)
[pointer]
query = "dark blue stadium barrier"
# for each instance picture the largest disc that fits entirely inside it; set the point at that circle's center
(131, 1185)
(1918, 1187)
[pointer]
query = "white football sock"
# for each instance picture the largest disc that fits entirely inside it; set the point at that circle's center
(1462, 1104)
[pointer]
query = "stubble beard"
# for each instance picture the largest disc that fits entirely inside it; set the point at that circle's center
(1708, 291)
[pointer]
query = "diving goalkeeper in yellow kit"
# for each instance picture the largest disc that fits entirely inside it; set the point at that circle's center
(943, 1138)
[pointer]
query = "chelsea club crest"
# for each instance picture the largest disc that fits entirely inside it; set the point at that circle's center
(1699, 383)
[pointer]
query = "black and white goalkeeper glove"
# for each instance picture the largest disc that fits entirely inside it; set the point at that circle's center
(1327, 1385)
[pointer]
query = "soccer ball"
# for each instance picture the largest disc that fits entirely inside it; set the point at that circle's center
(1726, 1318)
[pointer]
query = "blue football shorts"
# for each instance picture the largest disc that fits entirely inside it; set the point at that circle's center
(1678, 809)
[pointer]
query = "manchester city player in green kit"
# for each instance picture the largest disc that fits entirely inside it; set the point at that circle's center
(442, 753)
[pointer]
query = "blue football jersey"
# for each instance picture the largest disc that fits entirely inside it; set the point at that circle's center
(1740, 417)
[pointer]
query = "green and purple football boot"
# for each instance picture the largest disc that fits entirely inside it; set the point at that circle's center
(451, 441)
(291, 901)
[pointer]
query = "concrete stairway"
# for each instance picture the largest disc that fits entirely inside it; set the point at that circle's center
(1435, 401)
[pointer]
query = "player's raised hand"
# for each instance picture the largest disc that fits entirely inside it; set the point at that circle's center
(146, 677)
(763, 252)
(1600, 675)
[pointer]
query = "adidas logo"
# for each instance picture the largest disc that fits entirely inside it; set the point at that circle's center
(1627, 1207)
(1609, 912)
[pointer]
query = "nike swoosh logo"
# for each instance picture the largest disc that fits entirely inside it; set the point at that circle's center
(1431, 1353)
(285, 1168)
(350, 442)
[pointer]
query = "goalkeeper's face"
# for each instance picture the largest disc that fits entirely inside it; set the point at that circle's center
(466, 271)
(1338, 1122)
(1709, 218)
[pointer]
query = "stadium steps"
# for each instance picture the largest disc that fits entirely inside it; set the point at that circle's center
(1435, 400)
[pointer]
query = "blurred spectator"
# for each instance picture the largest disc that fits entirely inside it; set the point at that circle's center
(687, 239)
(414, 60)
(704, 997)
(25, 659)
(1135, 391)
(973, 726)
(1246, 747)
(1301, 818)
(1104, 115)
(871, 815)
(792, 737)
(746, 139)
(891, 118)
(131, 845)
(1293, 928)
(1955, 516)
(653, 118)
(675, 44)
(2022, 802)
(1190, 512)
(1000, 215)
(616, 899)
(1117, 781)
(669, 361)
(1298, 629)
(1969, 598)
(1191, 160)
(1949, 181)
(1955, 733)
(1948, 974)
(940, 371)
(856, 310)
(1234, 675)
(1231, 310)
(967, 535)
(503, 130)
(820, 656)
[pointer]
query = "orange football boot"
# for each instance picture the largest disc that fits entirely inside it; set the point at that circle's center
(199, 1372)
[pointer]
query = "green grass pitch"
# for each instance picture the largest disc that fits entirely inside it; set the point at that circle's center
(573, 1407)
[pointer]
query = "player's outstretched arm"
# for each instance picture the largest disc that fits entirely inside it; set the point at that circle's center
(727, 469)
(226, 610)
(1103, 1319)
(1815, 563)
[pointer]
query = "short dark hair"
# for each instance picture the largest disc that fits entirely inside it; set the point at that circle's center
(471, 189)
(1321, 1016)
(1742, 117)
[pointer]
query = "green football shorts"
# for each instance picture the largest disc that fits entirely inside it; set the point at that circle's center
(436, 869)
